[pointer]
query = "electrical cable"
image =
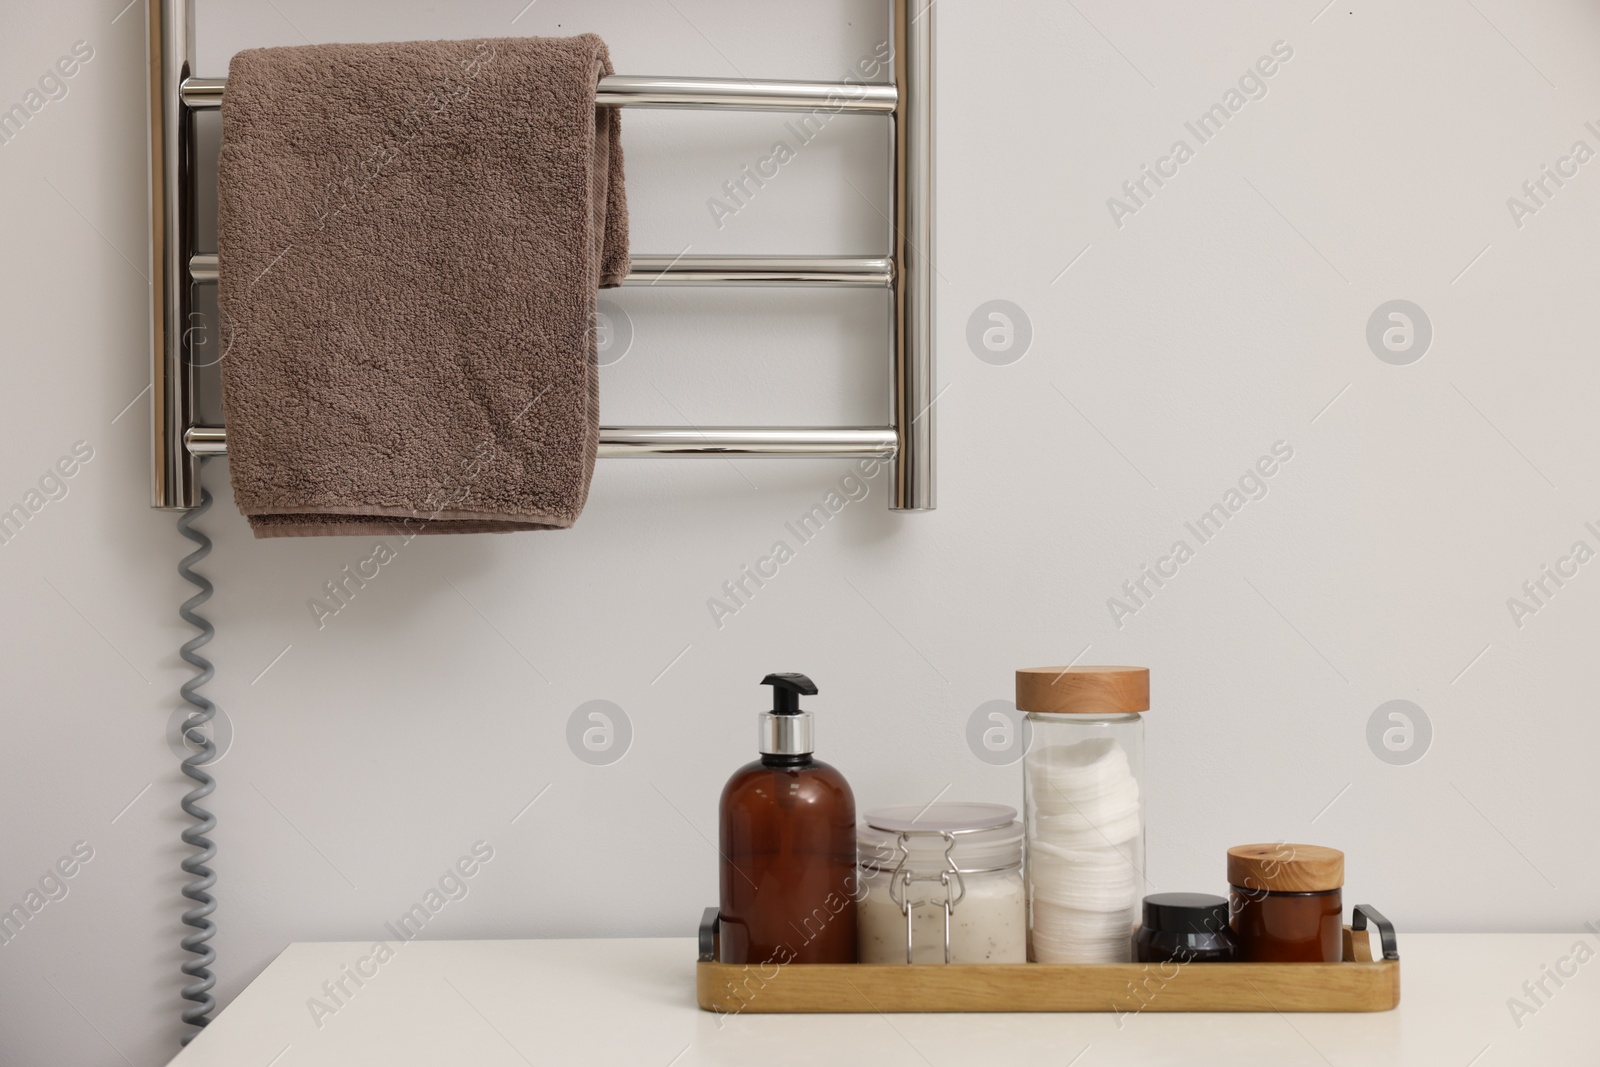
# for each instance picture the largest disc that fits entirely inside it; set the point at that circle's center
(202, 877)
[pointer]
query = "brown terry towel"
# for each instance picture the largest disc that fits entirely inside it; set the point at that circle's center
(410, 238)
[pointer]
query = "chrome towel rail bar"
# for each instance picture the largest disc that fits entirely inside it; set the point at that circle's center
(837, 271)
(801, 442)
(621, 90)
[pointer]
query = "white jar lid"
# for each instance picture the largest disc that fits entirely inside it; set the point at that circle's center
(981, 837)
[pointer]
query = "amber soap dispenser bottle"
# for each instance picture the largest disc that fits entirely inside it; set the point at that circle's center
(788, 836)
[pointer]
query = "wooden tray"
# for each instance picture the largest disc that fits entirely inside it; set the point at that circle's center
(1360, 983)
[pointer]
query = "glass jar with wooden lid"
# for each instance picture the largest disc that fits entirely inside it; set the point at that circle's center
(1083, 793)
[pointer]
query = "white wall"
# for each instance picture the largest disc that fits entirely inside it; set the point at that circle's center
(1227, 314)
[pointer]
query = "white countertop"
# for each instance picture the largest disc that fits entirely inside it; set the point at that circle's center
(631, 1002)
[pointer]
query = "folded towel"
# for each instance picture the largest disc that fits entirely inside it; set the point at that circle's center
(410, 237)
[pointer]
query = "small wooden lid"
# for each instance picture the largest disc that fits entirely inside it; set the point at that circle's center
(1285, 868)
(1083, 690)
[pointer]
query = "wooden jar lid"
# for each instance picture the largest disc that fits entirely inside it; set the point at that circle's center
(1285, 868)
(1083, 690)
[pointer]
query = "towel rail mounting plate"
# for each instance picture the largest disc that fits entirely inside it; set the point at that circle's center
(907, 271)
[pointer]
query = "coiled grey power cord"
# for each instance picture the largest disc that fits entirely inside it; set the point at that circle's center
(202, 877)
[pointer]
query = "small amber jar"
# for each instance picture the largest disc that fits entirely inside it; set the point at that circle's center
(1287, 902)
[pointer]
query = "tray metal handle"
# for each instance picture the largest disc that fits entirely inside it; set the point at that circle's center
(1358, 921)
(708, 935)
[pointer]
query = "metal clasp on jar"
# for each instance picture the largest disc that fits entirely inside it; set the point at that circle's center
(901, 877)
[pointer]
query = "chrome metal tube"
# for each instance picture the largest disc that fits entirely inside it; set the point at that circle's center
(912, 385)
(206, 440)
(844, 271)
(201, 93)
(770, 271)
(621, 90)
(801, 441)
(714, 94)
(175, 480)
(848, 442)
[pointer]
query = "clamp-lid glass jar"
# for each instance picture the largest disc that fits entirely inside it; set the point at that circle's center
(1287, 902)
(1083, 792)
(943, 885)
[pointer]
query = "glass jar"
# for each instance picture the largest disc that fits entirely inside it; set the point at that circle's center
(1185, 928)
(943, 884)
(1083, 792)
(1287, 902)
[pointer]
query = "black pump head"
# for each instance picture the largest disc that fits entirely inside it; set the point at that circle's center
(787, 690)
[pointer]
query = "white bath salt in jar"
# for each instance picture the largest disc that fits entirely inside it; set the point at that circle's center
(1083, 809)
(943, 885)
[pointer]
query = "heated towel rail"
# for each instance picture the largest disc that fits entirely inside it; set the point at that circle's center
(906, 272)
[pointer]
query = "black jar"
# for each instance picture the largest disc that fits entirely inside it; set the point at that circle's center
(1185, 928)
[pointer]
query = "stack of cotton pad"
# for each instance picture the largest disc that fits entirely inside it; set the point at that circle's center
(1082, 849)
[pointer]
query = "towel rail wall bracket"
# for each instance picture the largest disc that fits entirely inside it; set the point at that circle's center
(907, 272)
